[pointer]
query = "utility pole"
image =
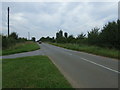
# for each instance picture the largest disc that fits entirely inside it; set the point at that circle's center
(28, 35)
(8, 21)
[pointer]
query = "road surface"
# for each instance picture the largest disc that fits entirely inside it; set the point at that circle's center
(84, 70)
(23, 54)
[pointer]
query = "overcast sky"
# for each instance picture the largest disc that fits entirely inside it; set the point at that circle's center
(46, 18)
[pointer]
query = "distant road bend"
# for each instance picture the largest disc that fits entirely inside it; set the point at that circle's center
(83, 70)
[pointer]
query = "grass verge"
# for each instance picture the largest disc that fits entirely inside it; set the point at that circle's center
(21, 47)
(32, 72)
(91, 49)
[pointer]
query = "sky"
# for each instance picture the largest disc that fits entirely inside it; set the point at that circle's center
(44, 19)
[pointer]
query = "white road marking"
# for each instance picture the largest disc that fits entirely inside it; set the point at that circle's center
(100, 65)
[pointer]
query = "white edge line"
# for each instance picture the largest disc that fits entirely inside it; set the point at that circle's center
(100, 65)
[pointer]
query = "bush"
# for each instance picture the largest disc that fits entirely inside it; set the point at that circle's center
(11, 40)
(7, 42)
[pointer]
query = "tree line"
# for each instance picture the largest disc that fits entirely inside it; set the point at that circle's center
(108, 36)
(11, 40)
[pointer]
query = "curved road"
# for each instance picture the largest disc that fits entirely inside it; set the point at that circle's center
(84, 70)
(23, 54)
(81, 69)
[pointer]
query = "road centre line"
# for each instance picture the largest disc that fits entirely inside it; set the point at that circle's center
(100, 65)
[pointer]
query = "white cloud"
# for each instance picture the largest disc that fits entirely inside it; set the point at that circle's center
(60, 0)
(17, 17)
(44, 19)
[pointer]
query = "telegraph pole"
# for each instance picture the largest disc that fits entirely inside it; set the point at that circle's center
(28, 35)
(8, 21)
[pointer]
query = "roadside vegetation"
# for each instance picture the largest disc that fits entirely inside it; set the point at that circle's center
(0, 45)
(11, 40)
(105, 41)
(21, 47)
(113, 53)
(13, 44)
(32, 72)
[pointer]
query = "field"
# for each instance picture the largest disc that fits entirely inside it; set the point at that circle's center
(21, 47)
(113, 53)
(32, 72)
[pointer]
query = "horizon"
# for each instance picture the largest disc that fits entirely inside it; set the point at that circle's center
(54, 16)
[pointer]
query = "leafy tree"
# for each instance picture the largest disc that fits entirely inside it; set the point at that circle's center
(93, 36)
(118, 34)
(57, 35)
(8, 41)
(60, 33)
(81, 39)
(11, 40)
(109, 34)
(65, 34)
(14, 35)
(81, 36)
(47, 39)
(61, 40)
(33, 39)
(71, 39)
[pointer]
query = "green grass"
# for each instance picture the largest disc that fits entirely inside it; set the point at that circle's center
(91, 49)
(0, 52)
(32, 72)
(0, 73)
(21, 47)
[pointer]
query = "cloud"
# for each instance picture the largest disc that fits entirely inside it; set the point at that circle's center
(17, 17)
(46, 18)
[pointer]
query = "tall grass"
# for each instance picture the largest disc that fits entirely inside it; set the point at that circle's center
(21, 47)
(113, 53)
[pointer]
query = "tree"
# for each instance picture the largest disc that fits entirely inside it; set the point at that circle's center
(60, 33)
(81, 36)
(93, 36)
(110, 34)
(65, 34)
(118, 34)
(33, 39)
(80, 39)
(14, 35)
(47, 39)
(71, 39)
(59, 37)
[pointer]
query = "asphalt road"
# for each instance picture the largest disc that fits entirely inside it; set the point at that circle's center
(23, 54)
(84, 70)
